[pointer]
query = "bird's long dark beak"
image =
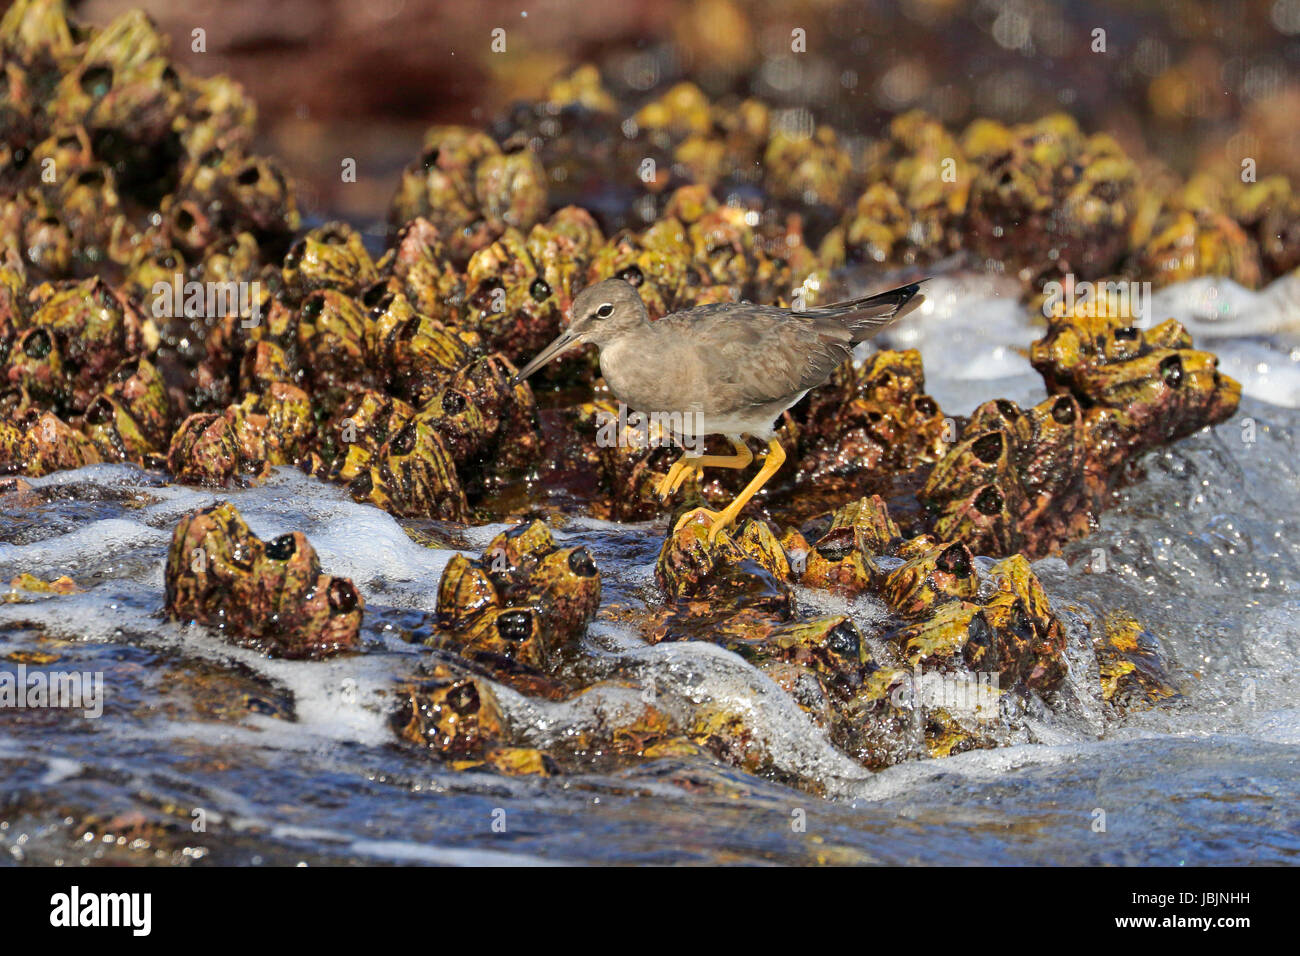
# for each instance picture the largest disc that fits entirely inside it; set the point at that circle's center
(566, 339)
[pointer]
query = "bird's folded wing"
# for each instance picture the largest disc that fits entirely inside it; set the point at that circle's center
(781, 354)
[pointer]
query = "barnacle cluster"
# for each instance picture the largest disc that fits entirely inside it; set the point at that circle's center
(119, 164)
(951, 616)
(524, 599)
(1030, 480)
(270, 595)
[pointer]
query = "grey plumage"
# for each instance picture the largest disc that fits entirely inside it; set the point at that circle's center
(737, 365)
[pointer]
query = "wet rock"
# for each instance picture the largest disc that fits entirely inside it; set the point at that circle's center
(523, 600)
(1032, 480)
(513, 762)
(420, 354)
(363, 425)
(270, 595)
(453, 716)
(1134, 675)
(935, 575)
(947, 613)
(624, 456)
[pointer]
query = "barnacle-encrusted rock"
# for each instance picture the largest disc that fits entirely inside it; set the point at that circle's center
(274, 427)
(113, 152)
(470, 188)
(205, 450)
(1189, 244)
(36, 443)
(410, 475)
(336, 343)
(1046, 199)
(626, 456)
(1271, 210)
(523, 600)
(78, 335)
(1031, 480)
(268, 595)
(1140, 388)
(658, 261)
(484, 422)
(744, 568)
(130, 420)
(417, 266)
(364, 424)
(872, 418)
(331, 256)
(948, 612)
(732, 259)
(455, 716)
(807, 170)
(913, 207)
(419, 354)
(1016, 480)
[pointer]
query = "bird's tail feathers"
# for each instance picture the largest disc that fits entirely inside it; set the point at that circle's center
(867, 316)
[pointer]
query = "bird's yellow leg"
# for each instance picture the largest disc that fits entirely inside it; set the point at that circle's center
(686, 467)
(771, 464)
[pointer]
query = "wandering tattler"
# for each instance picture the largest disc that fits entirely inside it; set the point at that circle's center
(727, 369)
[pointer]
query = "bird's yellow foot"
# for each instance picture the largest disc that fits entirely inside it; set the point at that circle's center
(671, 481)
(688, 473)
(720, 520)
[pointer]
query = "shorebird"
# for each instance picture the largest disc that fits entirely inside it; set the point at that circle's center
(729, 369)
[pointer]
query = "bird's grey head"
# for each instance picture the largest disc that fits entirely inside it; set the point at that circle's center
(600, 314)
(603, 311)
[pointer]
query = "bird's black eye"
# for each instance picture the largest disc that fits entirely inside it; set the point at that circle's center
(605, 311)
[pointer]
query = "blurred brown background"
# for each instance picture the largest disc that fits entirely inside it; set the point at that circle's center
(1193, 82)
